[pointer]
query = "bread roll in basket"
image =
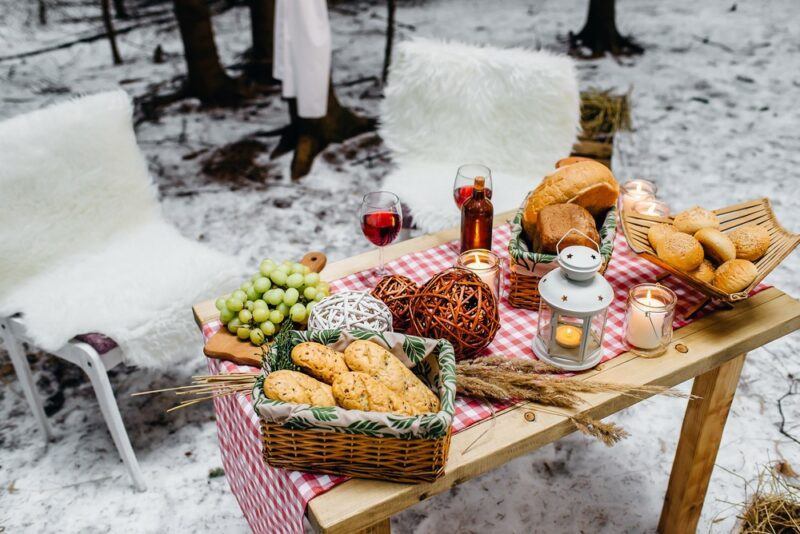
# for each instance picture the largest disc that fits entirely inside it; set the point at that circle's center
(585, 183)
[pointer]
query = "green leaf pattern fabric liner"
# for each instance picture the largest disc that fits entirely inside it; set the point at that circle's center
(433, 361)
(518, 247)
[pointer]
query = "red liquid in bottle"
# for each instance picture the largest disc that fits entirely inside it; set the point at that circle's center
(463, 193)
(477, 214)
(381, 227)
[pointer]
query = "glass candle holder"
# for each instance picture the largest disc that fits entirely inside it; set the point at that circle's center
(634, 191)
(653, 207)
(484, 263)
(648, 319)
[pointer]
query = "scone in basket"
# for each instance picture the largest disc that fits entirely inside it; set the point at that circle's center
(363, 444)
(782, 243)
(528, 267)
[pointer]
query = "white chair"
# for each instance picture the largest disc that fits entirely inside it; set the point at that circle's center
(83, 248)
(446, 104)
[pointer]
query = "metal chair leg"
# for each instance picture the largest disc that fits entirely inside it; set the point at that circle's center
(23, 370)
(93, 365)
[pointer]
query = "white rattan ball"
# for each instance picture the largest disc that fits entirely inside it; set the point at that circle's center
(351, 309)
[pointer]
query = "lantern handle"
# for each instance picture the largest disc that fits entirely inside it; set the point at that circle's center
(558, 252)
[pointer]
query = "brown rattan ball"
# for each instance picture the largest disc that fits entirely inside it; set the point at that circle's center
(458, 306)
(396, 292)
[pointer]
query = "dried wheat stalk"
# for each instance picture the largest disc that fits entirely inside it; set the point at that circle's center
(774, 506)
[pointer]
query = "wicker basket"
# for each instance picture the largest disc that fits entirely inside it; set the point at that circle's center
(384, 446)
(320, 451)
(757, 212)
(527, 268)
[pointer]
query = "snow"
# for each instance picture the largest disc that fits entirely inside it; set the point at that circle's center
(714, 105)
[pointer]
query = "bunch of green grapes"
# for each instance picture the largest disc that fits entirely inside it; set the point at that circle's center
(278, 292)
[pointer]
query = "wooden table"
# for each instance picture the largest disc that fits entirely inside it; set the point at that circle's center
(712, 351)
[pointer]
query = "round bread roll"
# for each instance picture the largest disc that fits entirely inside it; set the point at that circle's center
(570, 160)
(751, 241)
(735, 275)
(682, 251)
(693, 219)
(716, 244)
(588, 184)
(704, 273)
(658, 233)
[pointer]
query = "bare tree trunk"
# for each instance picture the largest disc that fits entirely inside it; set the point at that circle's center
(112, 37)
(207, 80)
(262, 27)
(42, 13)
(119, 10)
(600, 35)
(309, 137)
(387, 54)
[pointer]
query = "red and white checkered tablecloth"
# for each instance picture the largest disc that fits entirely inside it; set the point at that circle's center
(274, 500)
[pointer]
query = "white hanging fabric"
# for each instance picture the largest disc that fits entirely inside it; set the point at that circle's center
(303, 54)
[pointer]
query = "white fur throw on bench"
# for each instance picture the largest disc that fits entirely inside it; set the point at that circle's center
(446, 104)
(83, 246)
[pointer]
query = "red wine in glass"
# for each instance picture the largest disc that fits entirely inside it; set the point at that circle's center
(465, 178)
(381, 227)
(381, 220)
(461, 194)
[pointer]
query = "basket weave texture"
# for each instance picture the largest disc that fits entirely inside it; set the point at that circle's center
(320, 451)
(386, 446)
(759, 212)
(528, 267)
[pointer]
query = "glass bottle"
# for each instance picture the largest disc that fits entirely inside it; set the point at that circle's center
(476, 219)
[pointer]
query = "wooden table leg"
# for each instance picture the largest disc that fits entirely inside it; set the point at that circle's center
(701, 434)
(381, 527)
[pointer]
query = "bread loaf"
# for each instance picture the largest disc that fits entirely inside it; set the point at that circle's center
(563, 162)
(716, 245)
(693, 219)
(751, 241)
(556, 220)
(321, 362)
(735, 275)
(359, 391)
(297, 388)
(586, 183)
(372, 359)
(681, 250)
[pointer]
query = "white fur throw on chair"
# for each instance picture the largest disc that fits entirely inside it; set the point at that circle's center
(446, 104)
(83, 247)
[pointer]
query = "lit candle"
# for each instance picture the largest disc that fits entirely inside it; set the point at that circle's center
(655, 208)
(636, 191)
(646, 322)
(568, 336)
(484, 263)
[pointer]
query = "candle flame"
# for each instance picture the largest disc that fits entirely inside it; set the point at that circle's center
(638, 188)
(648, 294)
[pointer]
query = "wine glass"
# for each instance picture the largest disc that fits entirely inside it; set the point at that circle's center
(465, 180)
(381, 220)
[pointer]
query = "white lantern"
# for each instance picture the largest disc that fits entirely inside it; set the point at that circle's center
(573, 309)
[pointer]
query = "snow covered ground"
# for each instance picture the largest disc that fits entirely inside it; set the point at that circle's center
(716, 116)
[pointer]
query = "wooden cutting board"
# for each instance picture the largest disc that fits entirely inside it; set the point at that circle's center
(225, 346)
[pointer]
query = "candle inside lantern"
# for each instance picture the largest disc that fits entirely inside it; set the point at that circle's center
(568, 336)
(652, 207)
(651, 309)
(636, 191)
(484, 263)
